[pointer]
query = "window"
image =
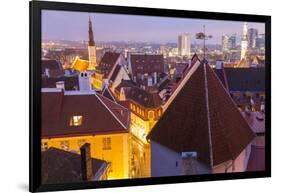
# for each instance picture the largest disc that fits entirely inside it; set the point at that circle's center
(64, 145)
(150, 115)
(44, 146)
(106, 143)
(76, 120)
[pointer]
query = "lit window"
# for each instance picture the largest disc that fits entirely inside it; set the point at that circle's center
(76, 120)
(150, 115)
(106, 142)
(159, 113)
(44, 146)
(64, 145)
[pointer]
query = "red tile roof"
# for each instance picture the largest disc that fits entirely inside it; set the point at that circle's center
(70, 82)
(203, 118)
(100, 115)
(50, 64)
(140, 96)
(147, 63)
(107, 62)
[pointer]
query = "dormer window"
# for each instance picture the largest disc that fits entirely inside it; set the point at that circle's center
(76, 120)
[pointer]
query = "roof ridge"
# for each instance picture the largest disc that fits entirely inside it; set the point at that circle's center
(234, 105)
(111, 111)
(208, 115)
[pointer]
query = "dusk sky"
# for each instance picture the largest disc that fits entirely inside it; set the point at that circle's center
(65, 25)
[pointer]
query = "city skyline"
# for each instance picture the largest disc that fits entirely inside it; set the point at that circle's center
(55, 24)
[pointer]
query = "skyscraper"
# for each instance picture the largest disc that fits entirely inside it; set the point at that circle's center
(228, 42)
(244, 41)
(224, 42)
(91, 48)
(252, 36)
(260, 41)
(232, 41)
(184, 44)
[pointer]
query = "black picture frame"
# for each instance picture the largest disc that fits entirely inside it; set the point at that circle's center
(35, 95)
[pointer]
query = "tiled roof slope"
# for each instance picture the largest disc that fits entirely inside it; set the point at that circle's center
(203, 118)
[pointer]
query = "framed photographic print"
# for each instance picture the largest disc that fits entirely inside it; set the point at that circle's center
(124, 96)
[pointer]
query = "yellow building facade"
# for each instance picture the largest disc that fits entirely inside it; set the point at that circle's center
(97, 80)
(113, 148)
(143, 120)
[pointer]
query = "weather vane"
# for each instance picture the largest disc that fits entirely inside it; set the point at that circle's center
(204, 37)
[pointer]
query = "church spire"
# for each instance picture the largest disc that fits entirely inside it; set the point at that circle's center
(91, 35)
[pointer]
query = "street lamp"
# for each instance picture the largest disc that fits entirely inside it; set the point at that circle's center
(204, 37)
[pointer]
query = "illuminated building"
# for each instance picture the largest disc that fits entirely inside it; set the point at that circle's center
(108, 69)
(206, 134)
(228, 42)
(145, 108)
(252, 36)
(145, 69)
(260, 41)
(184, 44)
(244, 42)
(73, 118)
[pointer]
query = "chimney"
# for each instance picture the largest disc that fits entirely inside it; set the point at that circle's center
(189, 160)
(60, 84)
(47, 72)
(219, 64)
(86, 162)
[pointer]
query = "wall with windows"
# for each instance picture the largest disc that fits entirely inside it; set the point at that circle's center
(113, 148)
(143, 120)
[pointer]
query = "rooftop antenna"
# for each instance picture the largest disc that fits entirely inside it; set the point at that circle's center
(204, 37)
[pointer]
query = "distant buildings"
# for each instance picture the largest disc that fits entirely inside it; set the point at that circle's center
(245, 85)
(145, 69)
(244, 42)
(108, 70)
(206, 134)
(150, 114)
(184, 44)
(260, 41)
(228, 42)
(252, 36)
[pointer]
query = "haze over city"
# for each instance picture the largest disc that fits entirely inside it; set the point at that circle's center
(64, 25)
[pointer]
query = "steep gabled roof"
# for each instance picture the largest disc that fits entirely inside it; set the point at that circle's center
(108, 62)
(108, 94)
(147, 63)
(138, 95)
(203, 118)
(110, 58)
(59, 166)
(99, 115)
